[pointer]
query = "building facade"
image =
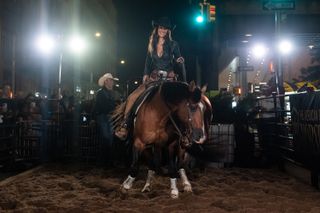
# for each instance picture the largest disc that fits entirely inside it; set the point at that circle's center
(27, 70)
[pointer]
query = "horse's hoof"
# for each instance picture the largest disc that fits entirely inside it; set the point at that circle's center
(146, 188)
(174, 193)
(123, 190)
(187, 188)
(127, 184)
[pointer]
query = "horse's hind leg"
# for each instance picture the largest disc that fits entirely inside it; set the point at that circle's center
(150, 155)
(134, 168)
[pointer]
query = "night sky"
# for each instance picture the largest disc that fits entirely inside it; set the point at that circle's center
(134, 28)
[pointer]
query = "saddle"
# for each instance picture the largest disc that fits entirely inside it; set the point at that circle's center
(151, 88)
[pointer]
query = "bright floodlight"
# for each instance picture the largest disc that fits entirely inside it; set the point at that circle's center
(77, 44)
(259, 51)
(285, 47)
(45, 44)
(98, 34)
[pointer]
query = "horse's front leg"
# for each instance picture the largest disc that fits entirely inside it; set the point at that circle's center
(147, 186)
(182, 164)
(174, 193)
(134, 168)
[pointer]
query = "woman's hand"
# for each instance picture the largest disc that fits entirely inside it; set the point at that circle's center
(180, 60)
(145, 78)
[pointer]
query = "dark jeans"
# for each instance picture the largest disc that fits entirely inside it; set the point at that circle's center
(106, 150)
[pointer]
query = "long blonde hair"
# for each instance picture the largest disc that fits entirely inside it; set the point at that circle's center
(153, 39)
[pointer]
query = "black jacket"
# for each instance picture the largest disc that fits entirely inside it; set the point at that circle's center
(171, 52)
(106, 101)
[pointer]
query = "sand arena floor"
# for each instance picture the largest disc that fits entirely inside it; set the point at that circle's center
(78, 188)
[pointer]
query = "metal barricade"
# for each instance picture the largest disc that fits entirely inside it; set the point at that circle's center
(89, 142)
(7, 144)
(220, 145)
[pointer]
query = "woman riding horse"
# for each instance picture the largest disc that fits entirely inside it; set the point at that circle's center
(162, 53)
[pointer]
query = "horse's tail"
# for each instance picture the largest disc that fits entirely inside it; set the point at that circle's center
(117, 115)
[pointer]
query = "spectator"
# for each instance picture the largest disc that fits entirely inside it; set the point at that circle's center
(106, 100)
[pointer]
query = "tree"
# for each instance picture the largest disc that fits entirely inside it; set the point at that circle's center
(312, 73)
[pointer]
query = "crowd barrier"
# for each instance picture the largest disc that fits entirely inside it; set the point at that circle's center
(283, 128)
(45, 141)
(288, 131)
(221, 145)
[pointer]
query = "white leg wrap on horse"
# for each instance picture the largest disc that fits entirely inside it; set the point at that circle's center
(127, 184)
(185, 182)
(147, 186)
(174, 189)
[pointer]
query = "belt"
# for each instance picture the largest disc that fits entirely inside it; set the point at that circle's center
(162, 74)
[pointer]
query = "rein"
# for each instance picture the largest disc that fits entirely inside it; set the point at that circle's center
(175, 126)
(174, 123)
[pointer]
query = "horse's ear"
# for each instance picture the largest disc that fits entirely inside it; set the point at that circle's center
(204, 88)
(192, 86)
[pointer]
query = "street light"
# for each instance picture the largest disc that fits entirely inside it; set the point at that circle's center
(97, 34)
(285, 47)
(77, 44)
(259, 50)
(46, 44)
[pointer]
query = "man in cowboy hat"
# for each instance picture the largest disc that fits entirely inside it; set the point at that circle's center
(106, 100)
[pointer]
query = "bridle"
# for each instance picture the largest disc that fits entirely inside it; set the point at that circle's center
(184, 139)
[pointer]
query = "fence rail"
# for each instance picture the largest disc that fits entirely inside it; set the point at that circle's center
(48, 141)
(269, 137)
(282, 141)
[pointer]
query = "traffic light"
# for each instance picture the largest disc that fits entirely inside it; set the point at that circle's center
(199, 18)
(212, 13)
(206, 14)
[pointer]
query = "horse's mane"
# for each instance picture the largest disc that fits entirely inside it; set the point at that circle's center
(174, 92)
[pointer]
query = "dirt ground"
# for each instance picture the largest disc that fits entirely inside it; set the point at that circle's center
(78, 188)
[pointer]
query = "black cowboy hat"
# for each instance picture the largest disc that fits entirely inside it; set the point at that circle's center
(164, 22)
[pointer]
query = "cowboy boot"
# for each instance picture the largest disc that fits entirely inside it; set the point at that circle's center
(122, 131)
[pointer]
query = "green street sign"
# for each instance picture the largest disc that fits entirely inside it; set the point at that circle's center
(278, 5)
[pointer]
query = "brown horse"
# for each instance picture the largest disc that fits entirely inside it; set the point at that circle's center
(162, 120)
(200, 117)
